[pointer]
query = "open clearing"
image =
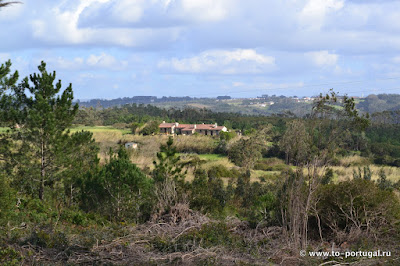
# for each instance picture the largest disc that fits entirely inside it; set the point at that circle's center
(110, 137)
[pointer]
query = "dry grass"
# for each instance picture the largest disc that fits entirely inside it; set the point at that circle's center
(257, 175)
(346, 173)
(196, 144)
(354, 160)
(207, 162)
(149, 145)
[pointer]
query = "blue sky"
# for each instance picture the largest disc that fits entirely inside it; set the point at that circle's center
(200, 48)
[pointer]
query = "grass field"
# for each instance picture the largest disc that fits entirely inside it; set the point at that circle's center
(109, 137)
(211, 157)
(3, 129)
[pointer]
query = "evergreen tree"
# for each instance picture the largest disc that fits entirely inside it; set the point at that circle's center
(43, 114)
(169, 179)
(168, 166)
(383, 182)
(119, 190)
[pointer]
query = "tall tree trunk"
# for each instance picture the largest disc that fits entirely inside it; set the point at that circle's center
(42, 171)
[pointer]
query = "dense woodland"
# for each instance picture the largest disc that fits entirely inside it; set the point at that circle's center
(59, 204)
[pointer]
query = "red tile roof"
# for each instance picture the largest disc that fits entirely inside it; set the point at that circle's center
(209, 127)
(168, 125)
(186, 127)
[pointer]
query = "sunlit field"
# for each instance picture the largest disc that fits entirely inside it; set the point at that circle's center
(202, 147)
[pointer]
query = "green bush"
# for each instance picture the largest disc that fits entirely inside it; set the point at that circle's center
(150, 128)
(208, 194)
(264, 209)
(227, 136)
(10, 257)
(35, 210)
(74, 217)
(219, 171)
(119, 190)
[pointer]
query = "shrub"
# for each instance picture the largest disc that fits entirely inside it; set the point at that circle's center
(74, 217)
(227, 136)
(10, 257)
(134, 127)
(118, 190)
(222, 147)
(357, 204)
(245, 152)
(208, 193)
(219, 171)
(327, 178)
(264, 209)
(151, 128)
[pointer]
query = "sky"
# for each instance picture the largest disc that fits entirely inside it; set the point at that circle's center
(206, 48)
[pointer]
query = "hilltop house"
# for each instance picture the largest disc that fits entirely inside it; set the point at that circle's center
(189, 129)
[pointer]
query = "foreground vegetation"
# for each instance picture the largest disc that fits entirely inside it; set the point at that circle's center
(71, 193)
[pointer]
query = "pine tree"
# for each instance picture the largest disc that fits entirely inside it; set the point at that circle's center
(168, 166)
(44, 114)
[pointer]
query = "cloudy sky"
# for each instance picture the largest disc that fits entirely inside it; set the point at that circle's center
(200, 48)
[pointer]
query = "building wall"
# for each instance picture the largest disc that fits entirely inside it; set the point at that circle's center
(187, 132)
(208, 132)
(166, 130)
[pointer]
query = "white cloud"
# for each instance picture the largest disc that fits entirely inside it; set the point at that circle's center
(396, 59)
(105, 61)
(239, 61)
(158, 13)
(93, 61)
(205, 10)
(343, 37)
(323, 58)
(314, 12)
(60, 27)
(130, 11)
(69, 64)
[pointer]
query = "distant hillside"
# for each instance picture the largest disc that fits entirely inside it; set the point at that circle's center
(130, 100)
(379, 103)
(264, 105)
